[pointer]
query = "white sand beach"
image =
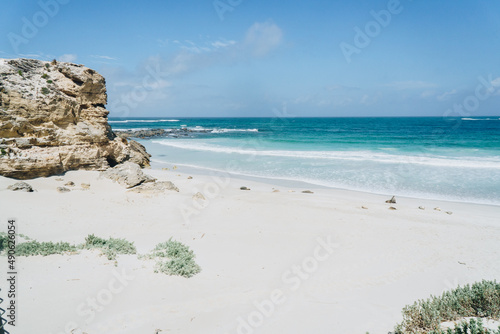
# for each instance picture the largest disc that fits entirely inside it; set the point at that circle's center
(272, 262)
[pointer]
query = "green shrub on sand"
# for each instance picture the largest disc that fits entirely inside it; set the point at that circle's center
(481, 299)
(174, 258)
(110, 247)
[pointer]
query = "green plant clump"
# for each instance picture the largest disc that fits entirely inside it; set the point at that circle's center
(110, 247)
(45, 90)
(20, 72)
(473, 326)
(481, 299)
(4, 238)
(34, 247)
(179, 259)
(49, 81)
(45, 76)
(3, 151)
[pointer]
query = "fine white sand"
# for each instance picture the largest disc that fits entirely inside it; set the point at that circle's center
(272, 262)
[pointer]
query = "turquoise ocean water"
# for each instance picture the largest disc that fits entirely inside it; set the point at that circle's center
(439, 158)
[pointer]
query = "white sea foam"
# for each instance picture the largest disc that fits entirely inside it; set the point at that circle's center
(220, 130)
(372, 187)
(145, 121)
(135, 129)
(461, 162)
(479, 119)
(233, 130)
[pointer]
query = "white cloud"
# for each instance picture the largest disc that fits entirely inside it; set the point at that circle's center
(496, 82)
(31, 55)
(428, 93)
(70, 58)
(446, 95)
(222, 44)
(410, 84)
(262, 37)
(103, 57)
(340, 88)
(203, 46)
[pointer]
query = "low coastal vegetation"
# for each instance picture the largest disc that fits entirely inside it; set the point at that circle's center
(479, 300)
(172, 257)
(472, 326)
(110, 247)
(34, 247)
(3, 241)
(176, 259)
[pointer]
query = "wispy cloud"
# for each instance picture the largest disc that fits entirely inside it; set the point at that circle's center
(428, 93)
(103, 57)
(447, 95)
(222, 44)
(496, 82)
(70, 58)
(340, 88)
(262, 37)
(203, 46)
(410, 84)
(31, 55)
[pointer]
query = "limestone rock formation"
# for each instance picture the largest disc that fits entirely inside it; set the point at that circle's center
(53, 119)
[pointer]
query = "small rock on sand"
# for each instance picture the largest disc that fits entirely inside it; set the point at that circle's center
(59, 179)
(421, 207)
(85, 185)
(364, 207)
(437, 209)
(244, 188)
(307, 192)
(449, 212)
(190, 177)
(392, 208)
(63, 189)
(392, 200)
(70, 184)
(165, 168)
(199, 195)
(128, 174)
(276, 191)
(155, 187)
(21, 186)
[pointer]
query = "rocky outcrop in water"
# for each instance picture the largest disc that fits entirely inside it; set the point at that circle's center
(53, 119)
(153, 133)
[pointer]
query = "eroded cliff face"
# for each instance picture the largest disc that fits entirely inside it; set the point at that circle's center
(53, 119)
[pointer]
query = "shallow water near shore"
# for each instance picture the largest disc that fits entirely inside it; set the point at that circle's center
(452, 159)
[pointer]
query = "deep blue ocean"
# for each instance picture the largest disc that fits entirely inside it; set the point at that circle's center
(439, 158)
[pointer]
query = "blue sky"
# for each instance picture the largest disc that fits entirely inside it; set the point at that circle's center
(257, 58)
